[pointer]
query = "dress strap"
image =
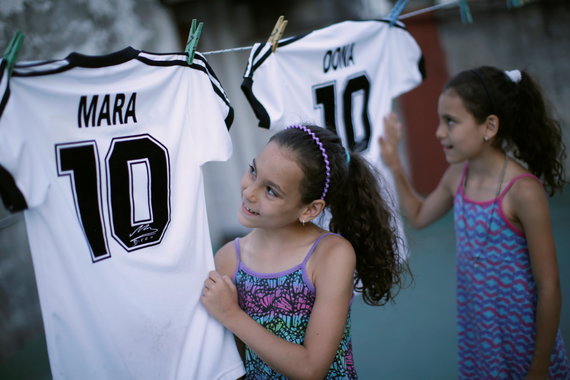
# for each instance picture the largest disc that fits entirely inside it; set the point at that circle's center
(512, 182)
(461, 184)
(315, 246)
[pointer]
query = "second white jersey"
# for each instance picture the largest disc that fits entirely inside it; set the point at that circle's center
(105, 153)
(344, 76)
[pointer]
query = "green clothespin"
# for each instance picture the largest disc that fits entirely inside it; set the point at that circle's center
(193, 38)
(465, 12)
(12, 51)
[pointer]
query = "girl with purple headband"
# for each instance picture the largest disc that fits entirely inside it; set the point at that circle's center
(285, 289)
(504, 151)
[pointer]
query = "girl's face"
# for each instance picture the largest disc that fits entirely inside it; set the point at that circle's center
(458, 131)
(270, 190)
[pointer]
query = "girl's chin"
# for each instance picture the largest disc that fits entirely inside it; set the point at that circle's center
(244, 220)
(451, 158)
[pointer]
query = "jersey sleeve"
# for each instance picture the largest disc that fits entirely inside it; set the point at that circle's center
(211, 114)
(22, 184)
(259, 53)
(406, 63)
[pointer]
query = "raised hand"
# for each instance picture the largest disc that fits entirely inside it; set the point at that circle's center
(389, 141)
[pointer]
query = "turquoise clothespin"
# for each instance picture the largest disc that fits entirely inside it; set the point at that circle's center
(396, 11)
(465, 13)
(193, 38)
(12, 51)
(515, 3)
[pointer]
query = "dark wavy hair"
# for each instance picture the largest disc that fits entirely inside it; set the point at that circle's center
(358, 211)
(526, 127)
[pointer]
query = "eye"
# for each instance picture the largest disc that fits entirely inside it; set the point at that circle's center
(272, 193)
(449, 121)
(252, 170)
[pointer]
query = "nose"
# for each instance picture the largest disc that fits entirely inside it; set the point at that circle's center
(440, 132)
(248, 188)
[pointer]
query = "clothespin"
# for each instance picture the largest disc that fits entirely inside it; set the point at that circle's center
(12, 51)
(465, 12)
(515, 3)
(193, 38)
(277, 32)
(396, 11)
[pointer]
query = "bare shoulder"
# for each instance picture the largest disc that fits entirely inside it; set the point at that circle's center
(334, 250)
(526, 197)
(226, 259)
(525, 190)
(452, 177)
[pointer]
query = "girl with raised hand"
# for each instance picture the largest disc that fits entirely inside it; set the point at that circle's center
(504, 151)
(285, 289)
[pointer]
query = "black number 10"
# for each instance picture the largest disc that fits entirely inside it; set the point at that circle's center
(138, 191)
(325, 97)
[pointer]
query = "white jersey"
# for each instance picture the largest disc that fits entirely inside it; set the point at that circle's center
(105, 153)
(344, 77)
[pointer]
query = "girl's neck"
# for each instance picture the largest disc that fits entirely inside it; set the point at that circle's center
(488, 165)
(275, 250)
(294, 235)
(486, 176)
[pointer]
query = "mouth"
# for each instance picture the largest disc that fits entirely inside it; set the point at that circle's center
(447, 147)
(248, 211)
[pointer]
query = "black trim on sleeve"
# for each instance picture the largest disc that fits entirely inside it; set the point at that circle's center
(230, 118)
(4, 99)
(11, 196)
(258, 109)
(422, 67)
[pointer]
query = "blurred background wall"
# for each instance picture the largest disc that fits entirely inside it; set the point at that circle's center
(533, 37)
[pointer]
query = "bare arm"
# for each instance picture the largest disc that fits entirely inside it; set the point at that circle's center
(530, 205)
(311, 360)
(418, 210)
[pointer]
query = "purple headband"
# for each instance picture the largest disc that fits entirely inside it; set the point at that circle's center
(323, 152)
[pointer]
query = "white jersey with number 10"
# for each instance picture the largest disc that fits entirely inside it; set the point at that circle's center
(105, 155)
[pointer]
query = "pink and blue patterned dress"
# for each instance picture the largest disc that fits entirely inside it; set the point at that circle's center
(282, 302)
(496, 294)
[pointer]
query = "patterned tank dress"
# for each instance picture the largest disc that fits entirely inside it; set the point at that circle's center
(496, 294)
(282, 302)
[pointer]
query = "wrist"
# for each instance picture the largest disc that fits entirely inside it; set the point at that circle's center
(396, 167)
(231, 318)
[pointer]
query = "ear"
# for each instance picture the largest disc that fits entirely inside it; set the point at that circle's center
(312, 210)
(491, 127)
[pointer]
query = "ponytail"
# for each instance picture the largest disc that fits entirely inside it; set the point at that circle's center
(535, 136)
(363, 217)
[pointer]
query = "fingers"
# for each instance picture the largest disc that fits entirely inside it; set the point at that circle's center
(214, 279)
(392, 126)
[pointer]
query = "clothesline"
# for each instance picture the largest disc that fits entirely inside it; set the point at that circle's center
(10, 219)
(402, 17)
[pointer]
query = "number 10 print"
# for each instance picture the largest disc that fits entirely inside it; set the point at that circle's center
(137, 183)
(325, 98)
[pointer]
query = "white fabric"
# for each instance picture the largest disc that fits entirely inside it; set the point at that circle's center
(355, 68)
(125, 304)
(514, 75)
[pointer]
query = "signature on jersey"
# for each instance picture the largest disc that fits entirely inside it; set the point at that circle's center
(143, 233)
